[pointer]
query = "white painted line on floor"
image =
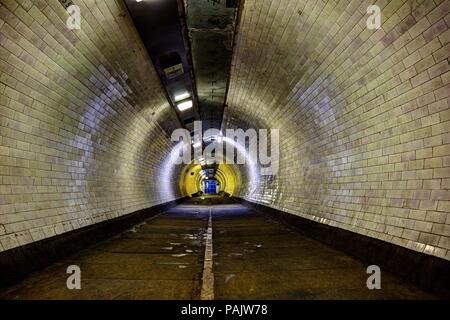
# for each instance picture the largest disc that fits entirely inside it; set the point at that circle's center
(207, 292)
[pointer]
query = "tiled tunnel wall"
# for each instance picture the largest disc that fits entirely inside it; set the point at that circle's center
(83, 120)
(364, 114)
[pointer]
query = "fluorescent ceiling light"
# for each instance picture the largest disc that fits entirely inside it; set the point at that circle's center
(185, 105)
(182, 96)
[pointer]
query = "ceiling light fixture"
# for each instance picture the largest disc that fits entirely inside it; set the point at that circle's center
(182, 96)
(185, 105)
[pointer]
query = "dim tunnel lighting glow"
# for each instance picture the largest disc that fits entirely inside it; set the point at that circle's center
(182, 96)
(185, 105)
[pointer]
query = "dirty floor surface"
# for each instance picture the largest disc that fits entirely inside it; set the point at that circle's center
(254, 257)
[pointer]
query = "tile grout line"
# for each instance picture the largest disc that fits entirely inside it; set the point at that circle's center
(207, 292)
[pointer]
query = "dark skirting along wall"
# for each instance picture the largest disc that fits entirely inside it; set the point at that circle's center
(429, 272)
(18, 262)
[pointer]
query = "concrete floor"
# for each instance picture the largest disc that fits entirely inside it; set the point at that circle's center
(254, 258)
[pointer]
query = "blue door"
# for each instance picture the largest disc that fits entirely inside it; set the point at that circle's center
(211, 187)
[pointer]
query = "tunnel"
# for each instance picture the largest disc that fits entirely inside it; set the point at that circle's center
(224, 149)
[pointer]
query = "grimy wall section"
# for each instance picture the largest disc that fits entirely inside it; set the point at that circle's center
(80, 135)
(364, 114)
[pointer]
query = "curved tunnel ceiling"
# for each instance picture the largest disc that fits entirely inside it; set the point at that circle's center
(211, 27)
(159, 25)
